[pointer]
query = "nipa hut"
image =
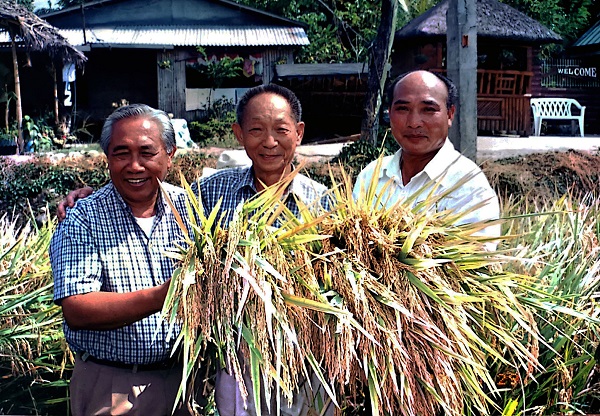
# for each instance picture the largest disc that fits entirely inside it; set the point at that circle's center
(507, 42)
(24, 29)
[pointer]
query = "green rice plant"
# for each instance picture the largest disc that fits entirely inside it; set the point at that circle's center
(563, 251)
(33, 355)
(399, 301)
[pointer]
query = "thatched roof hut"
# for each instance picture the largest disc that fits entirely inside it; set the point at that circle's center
(507, 41)
(36, 34)
(495, 20)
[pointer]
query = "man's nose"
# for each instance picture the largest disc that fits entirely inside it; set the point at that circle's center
(413, 119)
(270, 140)
(135, 164)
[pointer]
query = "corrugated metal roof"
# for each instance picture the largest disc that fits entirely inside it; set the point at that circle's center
(591, 37)
(295, 70)
(190, 36)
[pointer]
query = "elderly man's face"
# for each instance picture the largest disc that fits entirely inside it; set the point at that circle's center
(137, 158)
(269, 135)
(418, 115)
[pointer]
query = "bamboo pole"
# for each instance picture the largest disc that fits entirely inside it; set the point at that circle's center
(55, 96)
(19, 110)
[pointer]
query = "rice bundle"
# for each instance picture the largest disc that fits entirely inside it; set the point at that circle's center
(399, 300)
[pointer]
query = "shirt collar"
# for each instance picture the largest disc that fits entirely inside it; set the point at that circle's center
(161, 204)
(435, 169)
(247, 182)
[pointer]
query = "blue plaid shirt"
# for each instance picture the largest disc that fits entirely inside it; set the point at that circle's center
(100, 247)
(236, 185)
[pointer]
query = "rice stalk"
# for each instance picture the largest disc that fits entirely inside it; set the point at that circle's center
(33, 354)
(564, 254)
(400, 301)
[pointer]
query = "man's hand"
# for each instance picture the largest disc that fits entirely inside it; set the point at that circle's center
(69, 201)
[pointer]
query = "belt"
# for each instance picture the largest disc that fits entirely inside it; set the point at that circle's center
(161, 365)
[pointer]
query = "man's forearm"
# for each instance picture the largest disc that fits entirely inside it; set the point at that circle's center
(109, 310)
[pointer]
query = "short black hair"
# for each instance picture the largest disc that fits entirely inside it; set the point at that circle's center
(452, 91)
(283, 92)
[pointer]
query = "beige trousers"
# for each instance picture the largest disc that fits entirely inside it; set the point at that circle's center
(103, 390)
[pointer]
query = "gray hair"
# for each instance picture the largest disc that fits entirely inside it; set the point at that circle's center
(139, 110)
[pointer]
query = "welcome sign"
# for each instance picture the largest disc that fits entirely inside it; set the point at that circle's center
(577, 71)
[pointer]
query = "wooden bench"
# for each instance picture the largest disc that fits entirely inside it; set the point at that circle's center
(556, 109)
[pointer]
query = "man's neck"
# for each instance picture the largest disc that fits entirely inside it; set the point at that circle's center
(142, 210)
(269, 179)
(410, 165)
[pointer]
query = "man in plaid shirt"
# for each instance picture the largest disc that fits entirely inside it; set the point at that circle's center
(269, 127)
(111, 275)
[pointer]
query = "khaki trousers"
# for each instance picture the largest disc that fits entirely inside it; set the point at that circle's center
(104, 390)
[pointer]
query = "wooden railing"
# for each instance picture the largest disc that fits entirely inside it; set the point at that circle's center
(503, 101)
(496, 82)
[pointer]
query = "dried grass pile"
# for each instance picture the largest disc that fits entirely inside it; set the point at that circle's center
(399, 300)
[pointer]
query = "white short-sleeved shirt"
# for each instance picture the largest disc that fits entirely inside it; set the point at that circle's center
(443, 172)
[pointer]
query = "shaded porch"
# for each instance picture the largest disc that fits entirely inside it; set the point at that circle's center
(503, 101)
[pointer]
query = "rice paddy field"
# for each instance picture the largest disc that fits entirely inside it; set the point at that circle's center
(395, 312)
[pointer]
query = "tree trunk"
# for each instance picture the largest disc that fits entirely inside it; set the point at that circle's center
(378, 59)
(19, 110)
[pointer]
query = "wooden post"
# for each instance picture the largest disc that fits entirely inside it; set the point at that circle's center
(19, 110)
(461, 58)
(56, 120)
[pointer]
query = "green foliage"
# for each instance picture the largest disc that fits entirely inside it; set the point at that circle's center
(559, 232)
(30, 188)
(40, 136)
(324, 46)
(42, 182)
(7, 137)
(28, 4)
(214, 129)
(219, 71)
(339, 31)
(568, 18)
(415, 9)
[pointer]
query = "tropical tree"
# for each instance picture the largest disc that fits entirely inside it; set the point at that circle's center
(378, 59)
(568, 18)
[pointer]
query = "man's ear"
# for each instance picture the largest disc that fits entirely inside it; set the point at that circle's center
(237, 131)
(300, 131)
(451, 112)
(171, 154)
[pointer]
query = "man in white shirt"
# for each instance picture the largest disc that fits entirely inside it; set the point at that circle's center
(421, 112)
